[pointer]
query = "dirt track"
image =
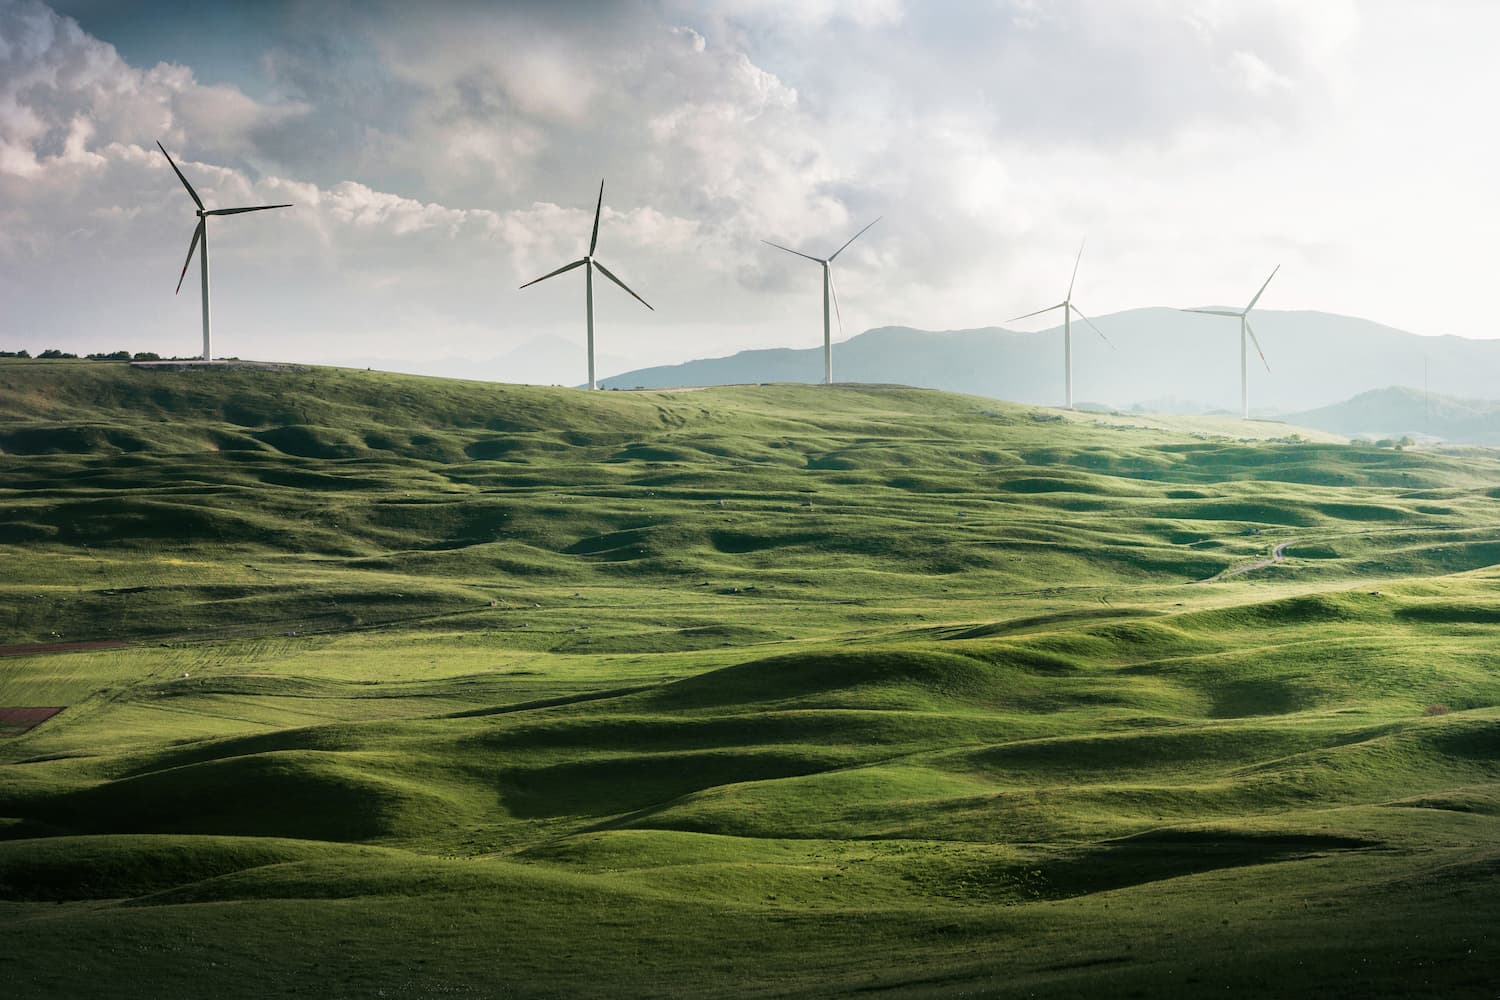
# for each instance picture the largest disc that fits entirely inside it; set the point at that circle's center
(1277, 555)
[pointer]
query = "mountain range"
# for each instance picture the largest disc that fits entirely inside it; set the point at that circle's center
(1163, 360)
(1398, 411)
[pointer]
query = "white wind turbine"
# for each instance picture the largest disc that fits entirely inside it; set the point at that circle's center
(1068, 308)
(588, 263)
(1245, 328)
(200, 234)
(828, 292)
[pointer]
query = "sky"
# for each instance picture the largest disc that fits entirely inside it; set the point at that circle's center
(439, 155)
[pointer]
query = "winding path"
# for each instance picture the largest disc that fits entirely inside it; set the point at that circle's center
(1277, 555)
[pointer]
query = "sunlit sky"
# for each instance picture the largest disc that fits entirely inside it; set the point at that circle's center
(440, 155)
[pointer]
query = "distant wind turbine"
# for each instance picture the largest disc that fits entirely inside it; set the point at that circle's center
(588, 263)
(200, 234)
(1245, 328)
(1068, 308)
(828, 292)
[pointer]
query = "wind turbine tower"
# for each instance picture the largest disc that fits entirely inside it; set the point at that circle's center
(588, 263)
(1068, 308)
(1245, 328)
(829, 293)
(200, 235)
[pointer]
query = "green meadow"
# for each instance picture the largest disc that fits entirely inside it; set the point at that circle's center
(426, 688)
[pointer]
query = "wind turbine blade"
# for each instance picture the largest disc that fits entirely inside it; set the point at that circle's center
(551, 274)
(799, 253)
(1090, 322)
(852, 239)
(834, 289)
(1212, 312)
(1037, 313)
(197, 235)
(611, 276)
(237, 211)
(191, 193)
(1074, 279)
(1256, 341)
(1262, 289)
(594, 240)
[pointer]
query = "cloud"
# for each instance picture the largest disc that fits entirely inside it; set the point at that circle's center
(438, 159)
(63, 92)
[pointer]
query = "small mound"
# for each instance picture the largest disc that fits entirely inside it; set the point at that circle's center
(1313, 550)
(1041, 484)
(1286, 515)
(876, 679)
(742, 542)
(307, 479)
(1034, 622)
(1130, 861)
(628, 783)
(131, 518)
(71, 440)
(305, 441)
(1095, 757)
(1451, 613)
(494, 449)
(1479, 801)
(1256, 696)
(298, 794)
(1464, 738)
(1307, 609)
(653, 453)
(618, 546)
(1364, 512)
(670, 640)
(58, 869)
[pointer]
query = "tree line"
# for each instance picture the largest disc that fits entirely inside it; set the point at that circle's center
(53, 352)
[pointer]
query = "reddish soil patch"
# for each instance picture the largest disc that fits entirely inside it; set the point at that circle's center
(15, 721)
(27, 649)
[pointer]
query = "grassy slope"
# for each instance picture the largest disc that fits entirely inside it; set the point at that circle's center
(441, 687)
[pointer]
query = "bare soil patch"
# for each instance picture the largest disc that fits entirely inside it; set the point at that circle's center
(15, 721)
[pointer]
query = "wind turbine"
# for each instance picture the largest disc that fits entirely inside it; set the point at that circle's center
(1068, 308)
(588, 263)
(1245, 328)
(828, 292)
(201, 234)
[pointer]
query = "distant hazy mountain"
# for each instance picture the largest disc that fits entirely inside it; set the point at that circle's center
(1398, 411)
(1166, 360)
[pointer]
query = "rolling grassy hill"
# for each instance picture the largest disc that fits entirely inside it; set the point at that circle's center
(428, 688)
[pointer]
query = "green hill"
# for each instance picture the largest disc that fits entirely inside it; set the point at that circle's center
(421, 687)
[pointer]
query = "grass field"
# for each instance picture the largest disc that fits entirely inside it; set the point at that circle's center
(433, 688)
